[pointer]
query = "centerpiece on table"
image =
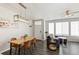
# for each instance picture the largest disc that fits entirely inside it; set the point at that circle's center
(26, 35)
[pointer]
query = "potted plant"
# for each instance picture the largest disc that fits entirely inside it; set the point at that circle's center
(46, 33)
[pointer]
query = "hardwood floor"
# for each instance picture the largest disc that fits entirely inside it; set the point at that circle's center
(72, 48)
(39, 50)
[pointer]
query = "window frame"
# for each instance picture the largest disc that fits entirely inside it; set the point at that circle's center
(71, 28)
(53, 29)
(69, 20)
(62, 29)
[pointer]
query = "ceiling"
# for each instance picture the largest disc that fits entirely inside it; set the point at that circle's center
(50, 11)
(43, 10)
(12, 6)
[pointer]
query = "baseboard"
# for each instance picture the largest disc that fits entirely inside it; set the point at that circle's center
(4, 51)
(74, 41)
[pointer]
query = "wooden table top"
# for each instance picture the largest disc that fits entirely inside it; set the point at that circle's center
(20, 41)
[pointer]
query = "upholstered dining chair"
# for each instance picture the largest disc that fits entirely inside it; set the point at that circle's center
(14, 45)
(33, 42)
(27, 45)
(52, 36)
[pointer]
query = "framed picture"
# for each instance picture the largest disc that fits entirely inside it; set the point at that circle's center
(4, 23)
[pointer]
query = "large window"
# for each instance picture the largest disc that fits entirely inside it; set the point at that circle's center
(62, 28)
(75, 28)
(51, 28)
(65, 28)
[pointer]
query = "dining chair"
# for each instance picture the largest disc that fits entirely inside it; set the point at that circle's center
(14, 45)
(27, 45)
(33, 42)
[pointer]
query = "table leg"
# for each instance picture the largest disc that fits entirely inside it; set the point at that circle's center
(10, 48)
(65, 41)
(19, 50)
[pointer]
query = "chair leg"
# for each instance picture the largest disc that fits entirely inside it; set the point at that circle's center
(30, 50)
(15, 50)
(24, 51)
(34, 45)
(10, 48)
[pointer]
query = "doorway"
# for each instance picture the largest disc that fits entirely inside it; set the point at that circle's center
(38, 29)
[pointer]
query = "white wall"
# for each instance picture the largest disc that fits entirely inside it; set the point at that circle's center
(19, 29)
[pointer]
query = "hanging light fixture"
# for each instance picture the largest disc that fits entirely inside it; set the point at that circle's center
(70, 12)
(18, 17)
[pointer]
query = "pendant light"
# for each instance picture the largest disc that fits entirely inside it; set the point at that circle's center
(19, 17)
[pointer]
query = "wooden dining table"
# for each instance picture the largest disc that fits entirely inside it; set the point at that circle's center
(19, 42)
